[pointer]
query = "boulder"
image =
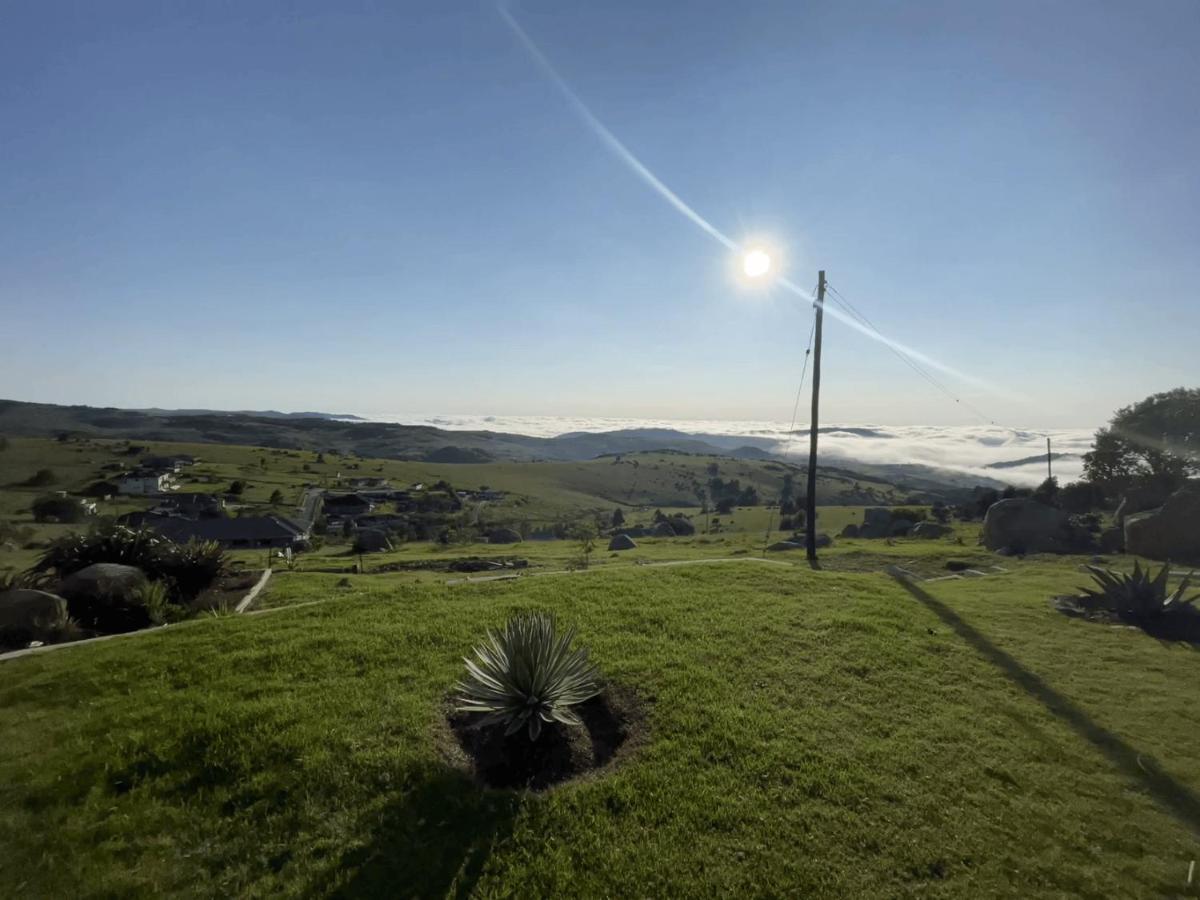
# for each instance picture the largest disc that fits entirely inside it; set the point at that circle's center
(102, 580)
(662, 529)
(900, 528)
(877, 523)
(682, 527)
(824, 540)
(931, 530)
(1170, 532)
(504, 536)
(23, 609)
(1139, 499)
(372, 540)
(106, 597)
(622, 542)
(850, 531)
(1021, 525)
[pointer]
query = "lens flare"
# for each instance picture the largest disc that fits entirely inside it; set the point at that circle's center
(756, 263)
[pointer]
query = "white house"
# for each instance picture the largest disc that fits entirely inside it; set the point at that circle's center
(144, 483)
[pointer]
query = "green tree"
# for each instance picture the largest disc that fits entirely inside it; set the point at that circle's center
(1155, 442)
(1047, 492)
(584, 535)
(52, 507)
(276, 497)
(237, 488)
(618, 518)
(41, 478)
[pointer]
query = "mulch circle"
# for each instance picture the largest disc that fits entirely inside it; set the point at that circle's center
(613, 724)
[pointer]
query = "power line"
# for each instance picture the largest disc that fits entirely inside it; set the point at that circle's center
(842, 301)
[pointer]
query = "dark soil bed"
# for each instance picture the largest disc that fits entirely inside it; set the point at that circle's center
(613, 724)
(1182, 625)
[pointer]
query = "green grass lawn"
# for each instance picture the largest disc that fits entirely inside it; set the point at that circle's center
(811, 732)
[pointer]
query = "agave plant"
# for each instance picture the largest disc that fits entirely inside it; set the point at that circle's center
(527, 676)
(1138, 597)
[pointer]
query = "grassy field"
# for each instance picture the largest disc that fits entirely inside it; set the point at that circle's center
(823, 732)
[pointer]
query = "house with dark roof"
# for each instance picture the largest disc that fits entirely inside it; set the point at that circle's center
(347, 505)
(195, 504)
(235, 534)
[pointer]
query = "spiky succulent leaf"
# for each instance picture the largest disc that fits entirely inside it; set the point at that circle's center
(527, 676)
(1139, 596)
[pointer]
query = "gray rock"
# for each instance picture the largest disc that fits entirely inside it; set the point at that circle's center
(850, 531)
(1170, 532)
(931, 530)
(877, 523)
(504, 536)
(1021, 525)
(682, 527)
(103, 580)
(622, 542)
(779, 546)
(662, 529)
(24, 608)
(901, 528)
(1139, 499)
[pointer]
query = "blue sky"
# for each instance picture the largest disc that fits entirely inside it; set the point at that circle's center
(387, 206)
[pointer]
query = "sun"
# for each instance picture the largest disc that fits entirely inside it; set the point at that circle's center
(756, 263)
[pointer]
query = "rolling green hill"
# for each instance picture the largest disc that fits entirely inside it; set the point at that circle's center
(806, 734)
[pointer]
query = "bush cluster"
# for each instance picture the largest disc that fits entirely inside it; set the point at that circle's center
(186, 570)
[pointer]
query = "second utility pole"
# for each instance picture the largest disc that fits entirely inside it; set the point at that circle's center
(810, 510)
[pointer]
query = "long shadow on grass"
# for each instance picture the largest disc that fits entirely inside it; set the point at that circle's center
(1181, 802)
(432, 844)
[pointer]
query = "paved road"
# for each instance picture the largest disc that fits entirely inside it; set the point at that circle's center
(310, 506)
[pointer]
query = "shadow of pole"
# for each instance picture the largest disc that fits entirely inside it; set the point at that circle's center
(434, 844)
(1176, 798)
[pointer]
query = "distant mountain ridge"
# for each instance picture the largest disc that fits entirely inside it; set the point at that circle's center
(257, 413)
(350, 434)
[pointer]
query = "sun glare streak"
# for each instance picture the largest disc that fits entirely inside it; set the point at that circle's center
(761, 264)
(610, 139)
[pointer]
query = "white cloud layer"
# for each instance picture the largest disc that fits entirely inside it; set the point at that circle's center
(962, 448)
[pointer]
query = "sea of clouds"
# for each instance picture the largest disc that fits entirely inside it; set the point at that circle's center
(963, 448)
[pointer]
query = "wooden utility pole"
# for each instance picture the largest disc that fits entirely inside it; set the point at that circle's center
(810, 509)
(1049, 457)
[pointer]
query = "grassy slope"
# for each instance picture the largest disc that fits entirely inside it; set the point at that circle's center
(820, 732)
(539, 493)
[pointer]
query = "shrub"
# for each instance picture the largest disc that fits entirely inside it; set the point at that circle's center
(913, 514)
(188, 569)
(41, 478)
(1080, 497)
(191, 568)
(53, 508)
(527, 676)
(1138, 597)
(105, 543)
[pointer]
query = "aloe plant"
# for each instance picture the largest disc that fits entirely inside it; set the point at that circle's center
(527, 676)
(1138, 597)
